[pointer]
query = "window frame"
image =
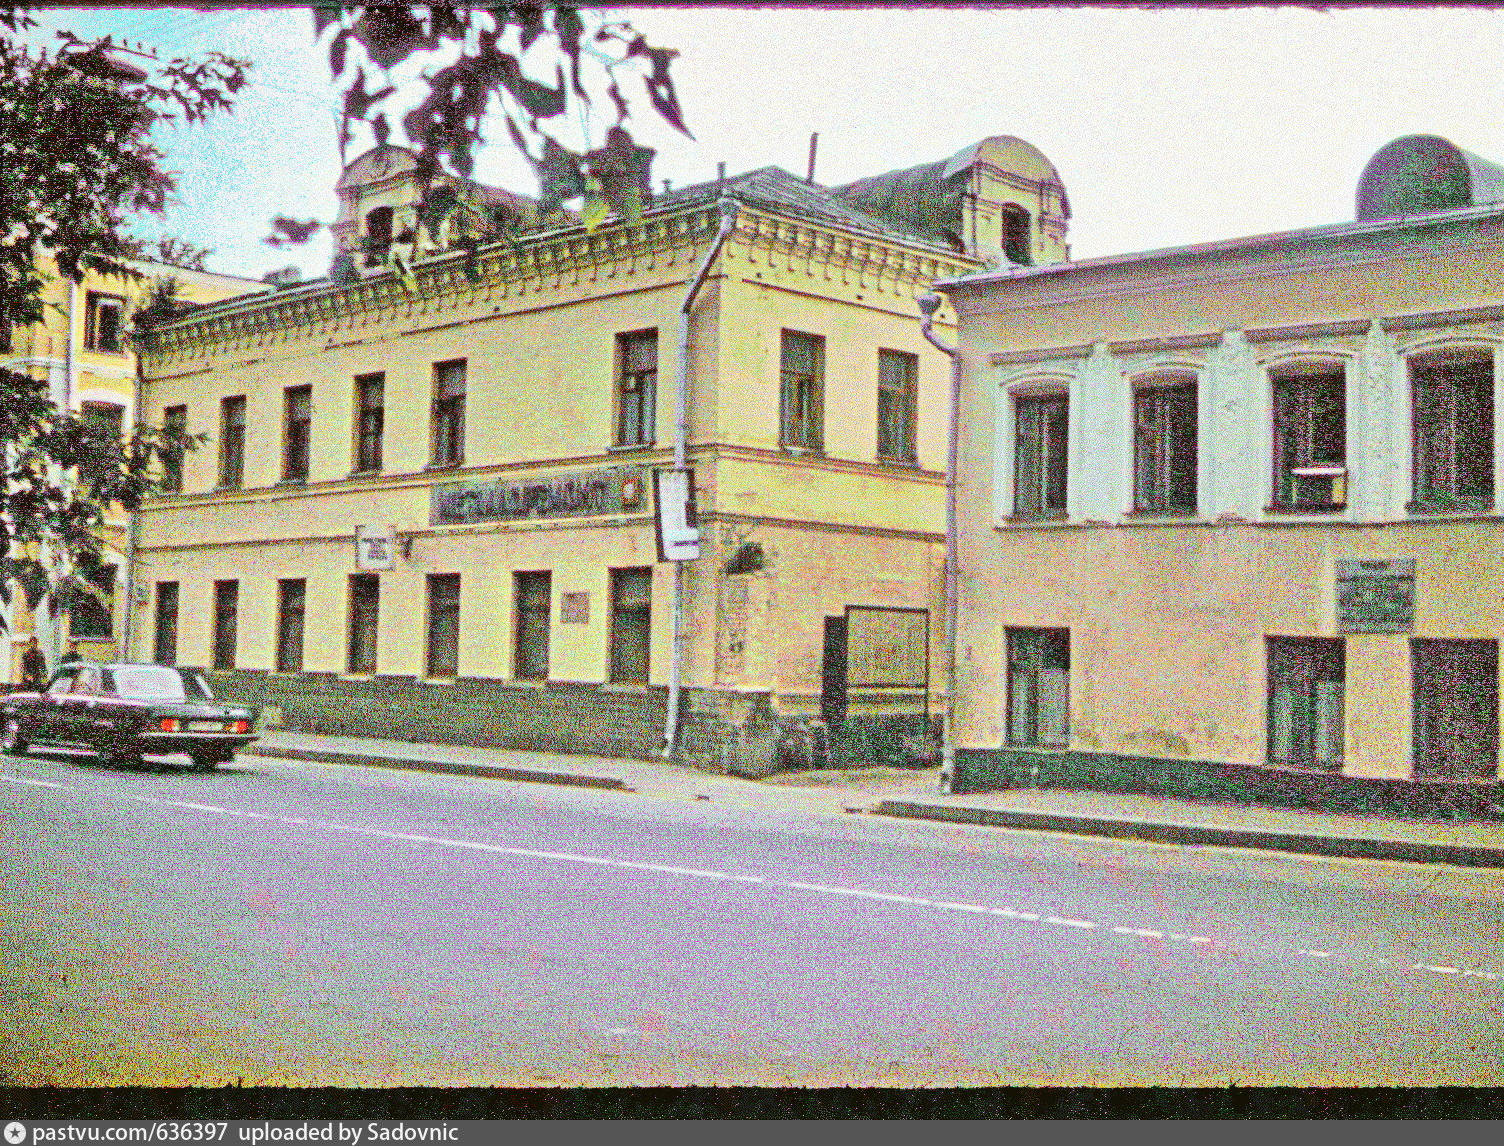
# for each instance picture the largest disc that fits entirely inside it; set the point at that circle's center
(630, 630)
(292, 607)
(531, 625)
(1041, 420)
(224, 636)
(636, 389)
(441, 628)
(363, 623)
(1434, 430)
(897, 391)
(1440, 725)
(1030, 652)
(1016, 232)
(96, 301)
(232, 435)
(297, 432)
(96, 622)
(109, 415)
(165, 612)
(1296, 400)
(1166, 418)
(369, 422)
(1301, 666)
(447, 414)
(174, 420)
(801, 392)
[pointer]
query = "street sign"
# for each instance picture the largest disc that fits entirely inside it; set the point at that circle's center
(678, 526)
(375, 546)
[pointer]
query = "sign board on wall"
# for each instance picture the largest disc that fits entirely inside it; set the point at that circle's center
(678, 526)
(1376, 596)
(579, 493)
(375, 546)
(887, 647)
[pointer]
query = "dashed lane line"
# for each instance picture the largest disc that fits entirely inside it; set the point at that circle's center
(739, 877)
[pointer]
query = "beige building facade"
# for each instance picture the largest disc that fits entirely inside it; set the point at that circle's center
(82, 350)
(428, 507)
(1229, 514)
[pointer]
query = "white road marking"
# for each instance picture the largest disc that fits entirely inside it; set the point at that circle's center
(708, 873)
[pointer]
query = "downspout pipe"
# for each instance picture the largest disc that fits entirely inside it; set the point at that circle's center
(133, 529)
(928, 305)
(728, 209)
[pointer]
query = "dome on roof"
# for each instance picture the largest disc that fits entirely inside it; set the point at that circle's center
(1418, 174)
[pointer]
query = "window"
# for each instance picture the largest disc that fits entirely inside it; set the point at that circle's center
(232, 442)
(297, 423)
(636, 387)
(1452, 402)
(1305, 702)
(1016, 239)
(290, 601)
(802, 401)
(106, 416)
(1456, 713)
(370, 421)
(631, 624)
(533, 593)
(449, 413)
(226, 608)
(1310, 440)
(443, 624)
(897, 401)
(174, 422)
(6, 335)
(1039, 666)
(1164, 442)
(378, 234)
(104, 323)
(365, 600)
(165, 632)
(91, 617)
(1039, 457)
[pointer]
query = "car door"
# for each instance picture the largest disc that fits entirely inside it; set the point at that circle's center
(49, 717)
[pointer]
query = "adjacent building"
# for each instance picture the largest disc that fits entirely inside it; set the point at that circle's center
(427, 509)
(1229, 513)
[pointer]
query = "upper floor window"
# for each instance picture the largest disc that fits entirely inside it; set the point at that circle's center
(802, 398)
(174, 423)
(1039, 455)
(449, 413)
(1017, 245)
(106, 416)
(1164, 448)
(1452, 410)
(897, 405)
(104, 323)
(1310, 439)
(370, 421)
(232, 441)
(297, 425)
(378, 234)
(636, 387)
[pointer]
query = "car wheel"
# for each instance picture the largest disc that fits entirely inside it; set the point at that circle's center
(11, 739)
(206, 763)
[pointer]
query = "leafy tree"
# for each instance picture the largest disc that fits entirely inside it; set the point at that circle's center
(76, 164)
(478, 66)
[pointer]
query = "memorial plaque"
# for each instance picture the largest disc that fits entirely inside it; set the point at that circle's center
(1376, 596)
(583, 493)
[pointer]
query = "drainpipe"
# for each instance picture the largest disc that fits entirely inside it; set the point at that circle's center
(133, 529)
(928, 305)
(62, 395)
(681, 461)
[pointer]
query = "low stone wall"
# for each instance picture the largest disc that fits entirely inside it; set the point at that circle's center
(982, 770)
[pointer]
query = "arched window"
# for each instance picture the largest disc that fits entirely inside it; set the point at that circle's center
(1016, 236)
(378, 232)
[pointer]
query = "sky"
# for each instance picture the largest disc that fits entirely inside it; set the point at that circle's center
(1167, 126)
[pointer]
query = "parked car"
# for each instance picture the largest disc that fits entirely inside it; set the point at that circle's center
(126, 711)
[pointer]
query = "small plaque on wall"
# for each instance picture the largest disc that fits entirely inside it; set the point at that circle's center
(574, 608)
(1376, 596)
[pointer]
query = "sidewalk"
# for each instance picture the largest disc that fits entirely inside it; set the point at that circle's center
(914, 795)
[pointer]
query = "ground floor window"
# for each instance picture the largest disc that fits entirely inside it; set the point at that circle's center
(631, 624)
(165, 631)
(226, 610)
(443, 656)
(290, 597)
(1039, 665)
(1456, 708)
(1305, 701)
(533, 594)
(365, 600)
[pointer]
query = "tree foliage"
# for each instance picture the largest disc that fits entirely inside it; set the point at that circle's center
(530, 69)
(77, 164)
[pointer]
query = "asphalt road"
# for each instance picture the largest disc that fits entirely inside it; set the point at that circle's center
(288, 923)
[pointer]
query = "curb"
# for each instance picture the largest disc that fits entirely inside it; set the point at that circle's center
(1413, 851)
(450, 767)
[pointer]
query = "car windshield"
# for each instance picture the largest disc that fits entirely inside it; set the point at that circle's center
(149, 682)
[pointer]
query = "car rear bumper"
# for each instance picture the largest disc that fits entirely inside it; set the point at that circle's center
(193, 742)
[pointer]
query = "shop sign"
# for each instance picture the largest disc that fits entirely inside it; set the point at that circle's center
(583, 493)
(1376, 596)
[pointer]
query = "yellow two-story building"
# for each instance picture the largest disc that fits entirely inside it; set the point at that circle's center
(428, 509)
(1229, 513)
